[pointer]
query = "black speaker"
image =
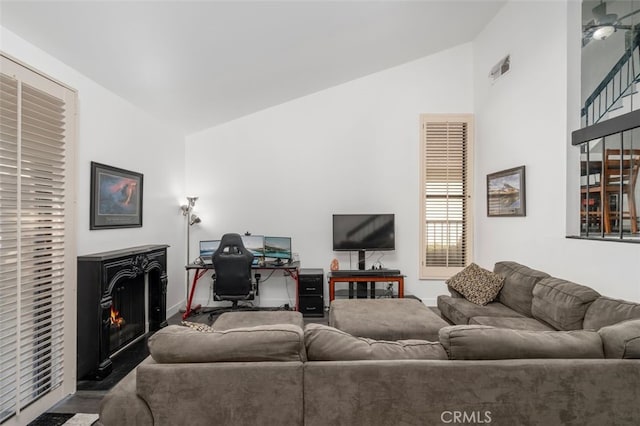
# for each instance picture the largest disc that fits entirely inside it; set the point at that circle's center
(311, 292)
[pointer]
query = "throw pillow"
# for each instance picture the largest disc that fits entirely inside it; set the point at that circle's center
(198, 326)
(476, 284)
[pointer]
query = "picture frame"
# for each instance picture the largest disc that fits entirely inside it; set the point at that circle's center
(506, 193)
(116, 198)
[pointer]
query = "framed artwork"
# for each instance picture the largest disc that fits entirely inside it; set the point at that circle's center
(116, 198)
(506, 193)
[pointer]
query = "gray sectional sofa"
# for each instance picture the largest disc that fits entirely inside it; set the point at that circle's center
(534, 300)
(563, 356)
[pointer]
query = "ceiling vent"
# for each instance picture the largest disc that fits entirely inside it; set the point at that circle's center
(500, 68)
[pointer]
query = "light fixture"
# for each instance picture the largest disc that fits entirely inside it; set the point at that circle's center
(186, 208)
(603, 32)
(191, 219)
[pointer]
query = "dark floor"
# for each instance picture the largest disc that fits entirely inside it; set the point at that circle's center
(89, 393)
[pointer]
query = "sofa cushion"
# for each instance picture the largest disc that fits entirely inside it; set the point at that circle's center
(519, 280)
(460, 311)
(515, 323)
(177, 344)
(606, 311)
(621, 340)
(476, 284)
(326, 343)
(386, 319)
(560, 303)
(482, 342)
(239, 319)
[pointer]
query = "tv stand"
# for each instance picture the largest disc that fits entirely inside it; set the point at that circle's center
(380, 276)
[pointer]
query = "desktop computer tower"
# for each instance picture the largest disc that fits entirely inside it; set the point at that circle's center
(311, 292)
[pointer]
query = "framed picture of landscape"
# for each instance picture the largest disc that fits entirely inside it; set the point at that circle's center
(506, 193)
(116, 198)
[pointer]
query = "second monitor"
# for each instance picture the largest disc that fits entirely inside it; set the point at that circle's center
(255, 244)
(277, 248)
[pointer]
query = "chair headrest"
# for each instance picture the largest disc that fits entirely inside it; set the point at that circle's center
(231, 244)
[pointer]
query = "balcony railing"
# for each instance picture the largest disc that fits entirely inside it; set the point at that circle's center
(619, 82)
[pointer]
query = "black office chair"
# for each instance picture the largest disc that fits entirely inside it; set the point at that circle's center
(232, 265)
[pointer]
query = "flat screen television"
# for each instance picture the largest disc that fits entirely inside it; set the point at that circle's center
(277, 247)
(361, 232)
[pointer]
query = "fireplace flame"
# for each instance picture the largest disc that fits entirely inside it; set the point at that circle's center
(115, 318)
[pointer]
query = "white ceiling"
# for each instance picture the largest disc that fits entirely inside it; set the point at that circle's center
(202, 63)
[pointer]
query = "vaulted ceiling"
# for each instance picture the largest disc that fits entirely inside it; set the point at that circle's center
(202, 63)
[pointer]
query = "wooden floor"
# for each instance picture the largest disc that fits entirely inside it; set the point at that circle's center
(88, 401)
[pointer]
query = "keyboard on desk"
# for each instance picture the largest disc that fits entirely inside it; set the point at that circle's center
(365, 273)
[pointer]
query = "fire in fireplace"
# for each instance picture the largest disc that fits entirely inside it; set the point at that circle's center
(127, 313)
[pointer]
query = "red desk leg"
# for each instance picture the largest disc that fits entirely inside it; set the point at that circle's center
(196, 276)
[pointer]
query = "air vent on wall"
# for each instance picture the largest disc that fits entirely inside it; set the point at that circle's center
(500, 68)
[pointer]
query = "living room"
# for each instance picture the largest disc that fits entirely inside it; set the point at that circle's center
(354, 148)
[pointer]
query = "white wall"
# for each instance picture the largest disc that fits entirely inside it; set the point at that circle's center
(526, 118)
(114, 132)
(349, 149)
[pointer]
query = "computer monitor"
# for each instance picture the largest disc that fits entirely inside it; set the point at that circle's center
(207, 248)
(277, 247)
(255, 244)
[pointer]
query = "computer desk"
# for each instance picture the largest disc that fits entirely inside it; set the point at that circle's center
(200, 270)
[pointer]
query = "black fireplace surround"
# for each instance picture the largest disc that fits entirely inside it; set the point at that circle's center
(109, 279)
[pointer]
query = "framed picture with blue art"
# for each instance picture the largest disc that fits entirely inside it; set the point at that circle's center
(506, 193)
(116, 198)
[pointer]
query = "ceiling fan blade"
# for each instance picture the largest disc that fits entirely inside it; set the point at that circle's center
(629, 14)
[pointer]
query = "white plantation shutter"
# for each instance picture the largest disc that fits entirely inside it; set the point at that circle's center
(36, 245)
(445, 196)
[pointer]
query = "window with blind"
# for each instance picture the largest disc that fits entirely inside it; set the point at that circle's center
(445, 194)
(37, 254)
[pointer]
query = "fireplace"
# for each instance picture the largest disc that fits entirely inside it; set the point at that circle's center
(121, 298)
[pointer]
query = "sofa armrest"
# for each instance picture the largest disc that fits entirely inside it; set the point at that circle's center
(622, 340)
(454, 293)
(122, 405)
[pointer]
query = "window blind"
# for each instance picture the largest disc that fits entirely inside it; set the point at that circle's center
(34, 164)
(445, 194)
